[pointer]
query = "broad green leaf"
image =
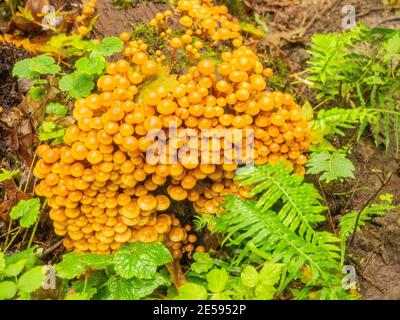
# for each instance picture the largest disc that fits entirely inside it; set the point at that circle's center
(140, 260)
(77, 84)
(192, 291)
(36, 93)
(7, 175)
(31, 280)
(217, 279)
(270, 273)
(249, 276)
(8, 290)
(307, 111)
(34, 67)
(134, 289)
(27, 210)
(57, 109)
(93, 64)
(202, 262)
(264, 292)
(71, 266)
(97, 261)
(28, 255)
(67, 45)
(14, 269)
(2, 262)
(108, 46)
(220, 296)
(331, 165)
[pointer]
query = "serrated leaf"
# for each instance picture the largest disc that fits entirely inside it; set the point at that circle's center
(108, 46)
(31, 280)
(249, 276)
(93, 64)
(66, 45)
(8, 290)
(264, 292)
(71, 266)
(270, 273)
(34, 67)
(57, 109)
(77, 84)
(7, 175)
(27, 211)
(331, 165)
(191, 291)
(97, 261)
(216, 280)
(140, 260)
(28, 255)
(202, 262)
(14, 269)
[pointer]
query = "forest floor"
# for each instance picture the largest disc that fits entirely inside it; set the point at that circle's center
(375, 252)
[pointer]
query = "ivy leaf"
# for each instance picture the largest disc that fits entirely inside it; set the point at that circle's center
(140, 260)
(77, 84)
(27, 210)
(217, 279)
(108, 46)
(202, 263)
(71, 266)
(31, 280)
(192, 291)
(8, 290)
(57, 109)
(34, 67)
(332, 165)
(14, 269)
(249, 276)
(7, 175)
(93, 64)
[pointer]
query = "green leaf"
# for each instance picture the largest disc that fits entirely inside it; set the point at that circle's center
(8, 290)
(71, 266)
(93, 64)
(134, 289)
(31, 280)
(27, 210)
(202, 262)
(80, 295)
(77, 84)
(217, 279)
(264, 292)
(108, 46)
(331, 165)
(270, 273)
(36, 93)
(14, 269)
(28, 255)
(249, 276)
(34, 67)
(97, 261)
(7, 175)
(140, 260)
(249, 28)
(2, 262)
(192, 291)
(57, 109)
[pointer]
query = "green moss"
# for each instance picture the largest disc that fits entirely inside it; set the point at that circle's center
(149, 35)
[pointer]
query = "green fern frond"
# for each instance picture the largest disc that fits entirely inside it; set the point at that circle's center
(246, 226)
(299, 203)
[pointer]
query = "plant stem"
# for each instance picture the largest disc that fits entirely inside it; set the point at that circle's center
(36, 225)
(8, 233)
(12, 240)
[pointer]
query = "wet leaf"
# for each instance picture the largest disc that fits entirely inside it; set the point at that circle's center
(27, 211)
(77, 84)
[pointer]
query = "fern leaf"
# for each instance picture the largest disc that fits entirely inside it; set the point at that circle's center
(264, 230)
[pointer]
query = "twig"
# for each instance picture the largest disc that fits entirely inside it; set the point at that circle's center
(53, 247)
(383, 185)
(327, 206)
